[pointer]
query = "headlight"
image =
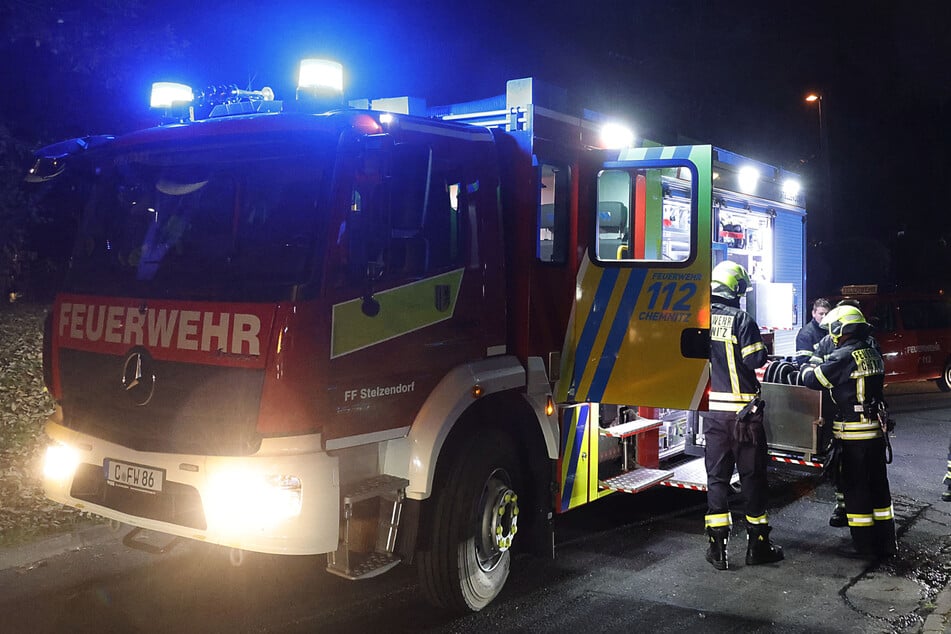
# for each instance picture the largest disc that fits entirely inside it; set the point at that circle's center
(241, 500)
(60, 462)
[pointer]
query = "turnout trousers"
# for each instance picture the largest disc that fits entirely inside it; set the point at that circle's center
(722, 453)
(863, 480)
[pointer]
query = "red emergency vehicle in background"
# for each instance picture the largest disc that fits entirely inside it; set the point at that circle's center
(913, 330)
(391, 332)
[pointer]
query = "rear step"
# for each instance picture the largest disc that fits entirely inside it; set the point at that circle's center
(352, 565)
(636, 480)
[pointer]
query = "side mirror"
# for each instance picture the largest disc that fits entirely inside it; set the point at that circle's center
(370, 307)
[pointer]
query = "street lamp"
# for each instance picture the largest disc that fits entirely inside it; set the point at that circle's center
(817, 98)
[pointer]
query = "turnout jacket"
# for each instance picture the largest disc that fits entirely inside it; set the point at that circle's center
(826, 347)
(736, 350)
(854, 375)
(807, 340)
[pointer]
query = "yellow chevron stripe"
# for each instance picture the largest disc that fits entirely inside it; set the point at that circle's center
(597, 350)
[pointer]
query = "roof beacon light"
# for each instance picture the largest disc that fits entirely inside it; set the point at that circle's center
(615, 136)
(320, 74)
(748, 178)
(166, 94)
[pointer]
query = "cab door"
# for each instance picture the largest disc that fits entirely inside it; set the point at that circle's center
(640, 321)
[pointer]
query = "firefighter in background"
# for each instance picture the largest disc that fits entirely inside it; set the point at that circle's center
(812, 333)
(946, 495)
(854, 375)
(736, 350)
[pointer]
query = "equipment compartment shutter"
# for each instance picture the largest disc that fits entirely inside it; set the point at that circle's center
(789, 266)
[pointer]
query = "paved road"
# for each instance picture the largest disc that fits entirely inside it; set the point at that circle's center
(626, 563)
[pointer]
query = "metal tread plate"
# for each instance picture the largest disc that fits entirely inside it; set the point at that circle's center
(636, 480)
(692, 475)
(364, 566)
(630, 428)
(373, 487)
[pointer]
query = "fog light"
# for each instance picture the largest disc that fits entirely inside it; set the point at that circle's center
(60, 462)
(238, 500)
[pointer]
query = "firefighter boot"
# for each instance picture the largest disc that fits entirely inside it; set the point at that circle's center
(838, 518)
(946, 496)
(716, 554)
(759, 550)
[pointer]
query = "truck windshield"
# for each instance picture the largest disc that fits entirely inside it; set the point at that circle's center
(229, 222)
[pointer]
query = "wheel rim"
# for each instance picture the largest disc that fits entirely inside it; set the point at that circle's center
(499, 520)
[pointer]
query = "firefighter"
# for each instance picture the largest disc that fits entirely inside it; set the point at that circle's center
(946, 495)
(812, 333)
(854, 376)
(821, 352)
(736, 350)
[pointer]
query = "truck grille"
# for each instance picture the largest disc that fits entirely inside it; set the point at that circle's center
(194, 409)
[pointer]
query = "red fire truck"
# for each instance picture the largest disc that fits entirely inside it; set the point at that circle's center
(389, 332)
(913, 330)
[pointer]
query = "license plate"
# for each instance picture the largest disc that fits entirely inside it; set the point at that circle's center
(134, 476)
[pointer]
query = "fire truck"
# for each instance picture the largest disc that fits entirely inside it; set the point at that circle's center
(913, 329)
(390, 332)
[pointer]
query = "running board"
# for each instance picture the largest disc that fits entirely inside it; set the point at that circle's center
(692, 475)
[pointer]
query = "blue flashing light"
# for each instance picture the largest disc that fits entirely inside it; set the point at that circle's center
(166, 94)
(320, 74)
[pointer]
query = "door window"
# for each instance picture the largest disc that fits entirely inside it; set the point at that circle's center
(645, 215)
(552, 243)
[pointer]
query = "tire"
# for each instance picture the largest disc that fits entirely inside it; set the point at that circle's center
(944, 382)
(472, 525)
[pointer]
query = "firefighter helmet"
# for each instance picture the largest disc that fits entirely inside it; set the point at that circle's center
(844, 320)
(730, 280)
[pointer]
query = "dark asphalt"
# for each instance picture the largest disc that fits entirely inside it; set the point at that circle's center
(625, 563)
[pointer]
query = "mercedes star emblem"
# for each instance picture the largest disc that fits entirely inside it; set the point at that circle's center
(138, 381)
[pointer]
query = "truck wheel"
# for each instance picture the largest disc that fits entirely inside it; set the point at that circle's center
(473, 524)
(944, 383)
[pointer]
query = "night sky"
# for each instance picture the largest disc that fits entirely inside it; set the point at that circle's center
(733, 74)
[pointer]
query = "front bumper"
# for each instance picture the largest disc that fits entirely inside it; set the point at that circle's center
(284, 499)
